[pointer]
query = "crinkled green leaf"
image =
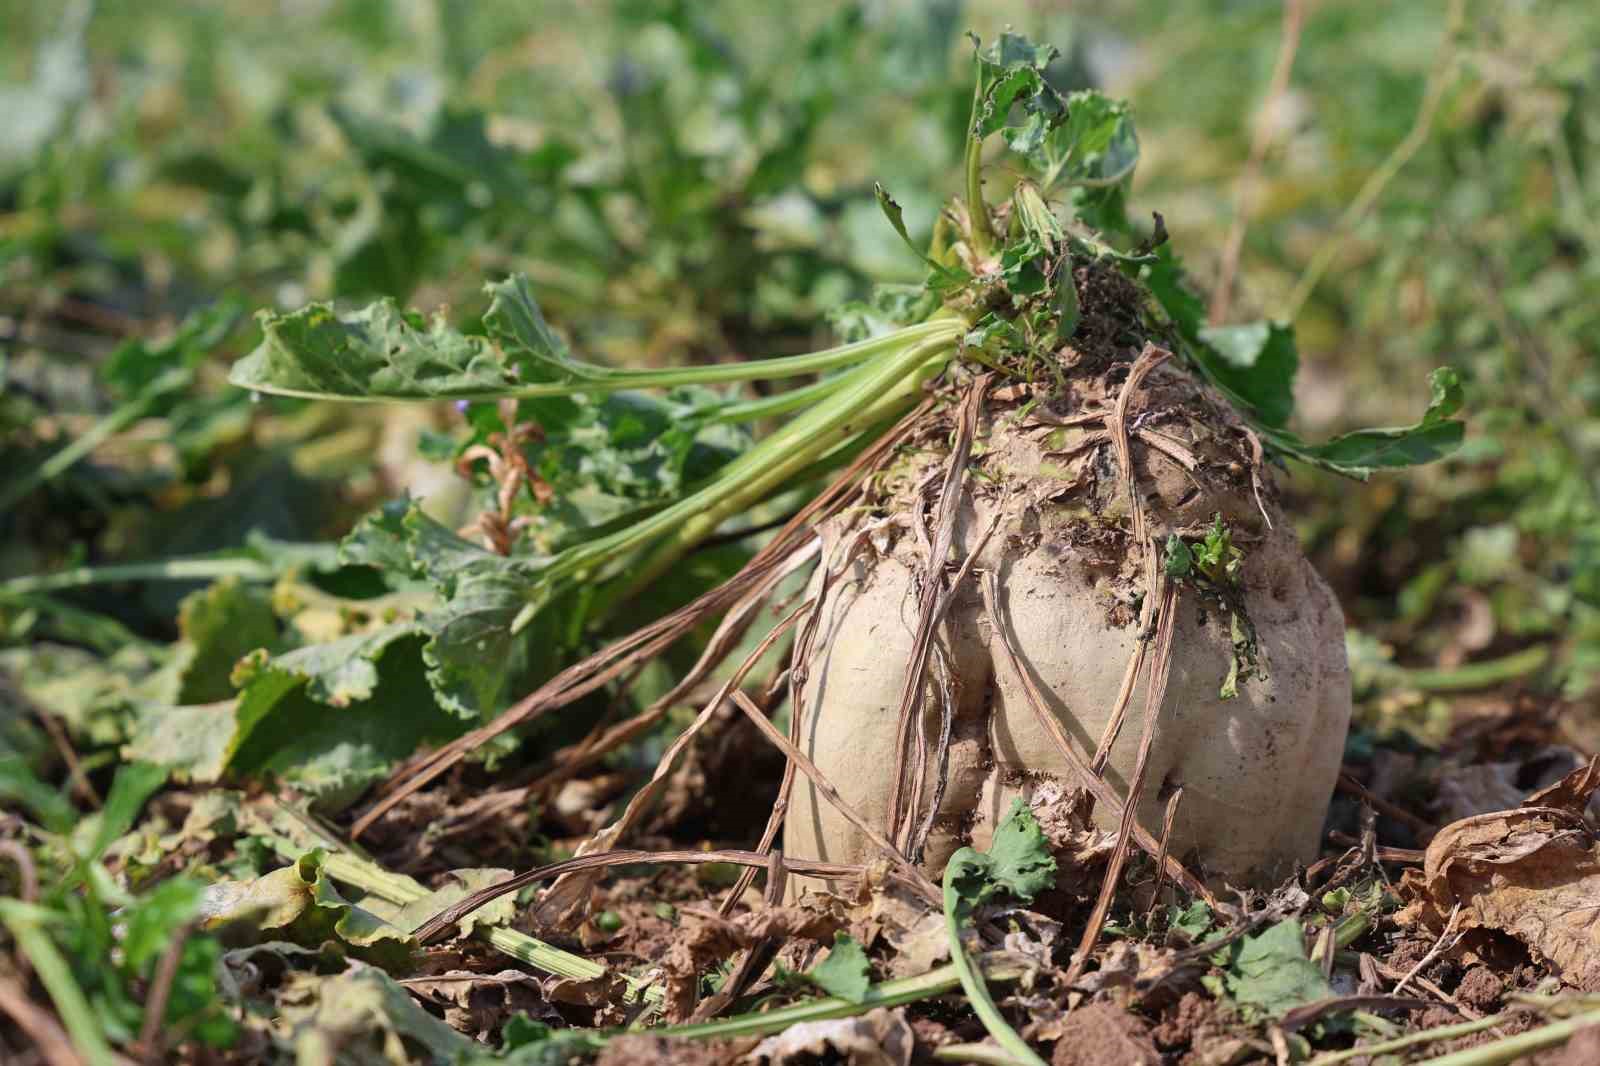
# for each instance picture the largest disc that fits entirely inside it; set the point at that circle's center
(378, 352)
(1018, 861)
(517, 325)
(1179, 559)
(219, 625)
(1254, 366)
(474, 661)
(379, 540)
(340, 672)
(1019, 855)
(1193, 921)
(1437, 435)
(286, 725)
(610, 456)
(473, 658)
(1096, 144)
(329, 718)
(1011, 76)
(845, 972)
(1270, 973)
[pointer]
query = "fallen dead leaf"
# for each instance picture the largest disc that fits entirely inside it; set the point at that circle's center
(478, 1003)
(878, 1038)
(1532, 873)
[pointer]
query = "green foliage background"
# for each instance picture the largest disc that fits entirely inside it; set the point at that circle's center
(692, 183)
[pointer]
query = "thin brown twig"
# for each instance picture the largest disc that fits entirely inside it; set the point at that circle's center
(757, 956)
(1380, 852)
(1117, 424)
(734, 625)
(800, 658)
(49, 1039)
(917, 837)
(27, 872)
(155, 1005)
(1260, 140)
(1439, 947)
(1424, 829)
(1168, 820)
(930, 597)
(567, 892)
(80, 780)
(459, 910)
(643, 644)
(821, 783)
(1155, 695)
(1097, 785)
(1161, 596)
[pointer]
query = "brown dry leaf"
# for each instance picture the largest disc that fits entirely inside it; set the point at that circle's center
(885, 908)
(1532, 873)
(878, 1038)
(1128, 964)
(707, 938)
(477, 1003)
(1574, 792)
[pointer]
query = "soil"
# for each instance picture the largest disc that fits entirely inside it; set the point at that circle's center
(1102, 1033)
(1179, 1027)
(1482, 989)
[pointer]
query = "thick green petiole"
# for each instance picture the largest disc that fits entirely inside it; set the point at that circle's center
(972, 982)
(981, 229)
(592, 379)
(872, 390)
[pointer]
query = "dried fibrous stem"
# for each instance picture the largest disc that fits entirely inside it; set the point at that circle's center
(929, 599)
(1117, 425)
(572, 889)
(1096, 785)
(803, 762)
(758, 956)
(1424, 829)
(457, 911)
(734, 625)
(1156, 691)
(832, 566)
(1168, 820)
(643, 644)
(1161, 595)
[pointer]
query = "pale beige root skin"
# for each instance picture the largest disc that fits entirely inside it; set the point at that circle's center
(1257, 770)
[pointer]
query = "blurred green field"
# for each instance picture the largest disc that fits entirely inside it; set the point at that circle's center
(690, 183)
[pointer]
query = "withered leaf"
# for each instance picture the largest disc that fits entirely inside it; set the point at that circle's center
(1532, 873)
